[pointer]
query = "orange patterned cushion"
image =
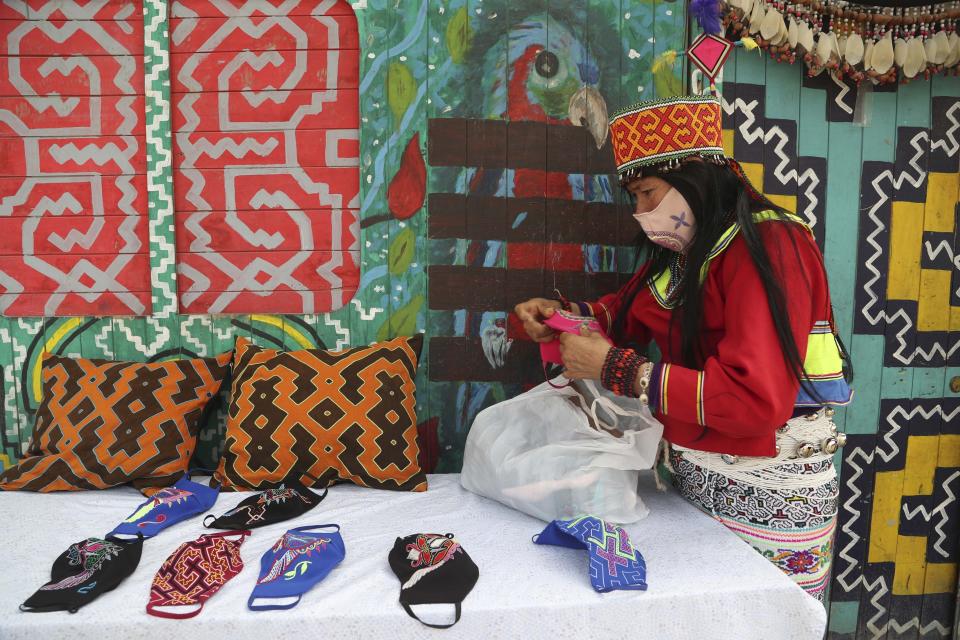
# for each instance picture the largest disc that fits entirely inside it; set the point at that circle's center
(102, 423)
(336, 415)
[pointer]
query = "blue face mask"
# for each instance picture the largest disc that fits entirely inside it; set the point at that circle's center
(300, 559)
(614, 563)
(184, 499)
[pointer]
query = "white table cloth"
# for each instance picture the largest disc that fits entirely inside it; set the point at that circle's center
(703, 581)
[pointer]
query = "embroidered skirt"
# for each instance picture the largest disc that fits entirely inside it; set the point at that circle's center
(791, 525)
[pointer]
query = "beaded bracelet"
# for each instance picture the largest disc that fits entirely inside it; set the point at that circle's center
(619, 371)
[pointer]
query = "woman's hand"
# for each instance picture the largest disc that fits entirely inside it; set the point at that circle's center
(583, 355)
(532, 313)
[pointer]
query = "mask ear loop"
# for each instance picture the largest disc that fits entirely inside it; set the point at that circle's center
(406, 607)
(310, 527)
(314, 480)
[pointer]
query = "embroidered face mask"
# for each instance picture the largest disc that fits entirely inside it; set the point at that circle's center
(184, 499)
(193, 573)
(288, 500)
(84, 571)
(300, 559)
(433, 569)
(564, 321)
(670, 224)
(613, 562)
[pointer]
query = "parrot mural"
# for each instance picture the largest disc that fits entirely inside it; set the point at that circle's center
(538, 69)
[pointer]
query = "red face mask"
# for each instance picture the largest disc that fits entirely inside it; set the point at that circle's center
(195, 572)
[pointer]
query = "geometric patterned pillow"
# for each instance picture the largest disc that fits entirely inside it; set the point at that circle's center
(103, 423)
(340, 416)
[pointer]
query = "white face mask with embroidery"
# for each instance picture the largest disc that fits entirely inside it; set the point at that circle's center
(670, 224)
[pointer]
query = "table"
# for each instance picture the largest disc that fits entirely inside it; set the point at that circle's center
(704, 582)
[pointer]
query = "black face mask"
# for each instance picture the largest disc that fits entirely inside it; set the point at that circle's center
(84, 571)
(287, 500)
(433, 569)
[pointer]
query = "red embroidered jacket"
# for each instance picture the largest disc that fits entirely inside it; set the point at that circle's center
(745, 390)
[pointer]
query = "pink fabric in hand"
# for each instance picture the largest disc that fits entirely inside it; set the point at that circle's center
(570, 323)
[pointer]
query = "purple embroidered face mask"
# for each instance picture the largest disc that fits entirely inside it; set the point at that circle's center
(670, 224)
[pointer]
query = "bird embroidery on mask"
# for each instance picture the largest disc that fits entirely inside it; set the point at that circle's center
(293, 545)
(258, 510)
(429, 552)
(91, 554)
(167, 496)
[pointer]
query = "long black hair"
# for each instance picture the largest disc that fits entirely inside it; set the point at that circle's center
(718, 199)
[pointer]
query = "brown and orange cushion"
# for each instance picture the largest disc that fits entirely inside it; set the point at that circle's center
(103, 423)
(339, 416)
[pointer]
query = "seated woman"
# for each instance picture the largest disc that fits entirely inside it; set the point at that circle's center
(733, 291)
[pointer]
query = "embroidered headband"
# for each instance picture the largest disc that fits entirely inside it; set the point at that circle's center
(663, 132)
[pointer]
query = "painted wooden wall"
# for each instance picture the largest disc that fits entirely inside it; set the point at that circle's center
(883, 192)
(317, 174)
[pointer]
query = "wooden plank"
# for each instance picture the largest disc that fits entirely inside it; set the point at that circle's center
(273, 33)
(408, 286)
(318, 148)
(96, 341)
(809, 133)
(74, 235)
(267, 110)
(135, 272)
(83, 37)
(194, 72)
(844, 163)
(107, 155)
(637, 23)
(457, 216)
(781, 115)
(42, 119)
(278, 300)
(114, 10)
(454, 359)
(447, 22)
(267, 329)
(10, 434)
(10, 11)
(668, 38)
(73, 194)
(935, 298)
(844, 166)
(895, 383)
(261, 271)
(272, 230)
(484, 143)
(455, 287)
(26, 338)
(204, 8)
(129, 341)
(866, 353)
(34, 305)
(265, 187)
(65, 76)
(61, 335)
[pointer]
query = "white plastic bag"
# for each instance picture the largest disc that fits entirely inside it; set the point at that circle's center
(559, 453)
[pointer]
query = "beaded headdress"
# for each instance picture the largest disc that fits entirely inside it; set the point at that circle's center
(662, 133)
